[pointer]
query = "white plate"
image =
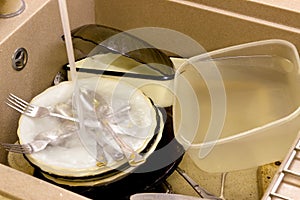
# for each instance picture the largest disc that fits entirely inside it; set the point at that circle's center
(73, 159)
(106, 179)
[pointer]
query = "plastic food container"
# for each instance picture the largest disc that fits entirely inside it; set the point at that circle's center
(238, 107)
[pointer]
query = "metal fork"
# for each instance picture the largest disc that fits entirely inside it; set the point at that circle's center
(32, 110)
(28, 148)
(42, 140)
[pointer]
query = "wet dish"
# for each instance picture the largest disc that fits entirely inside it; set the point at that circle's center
(109, 176)
(71, 158)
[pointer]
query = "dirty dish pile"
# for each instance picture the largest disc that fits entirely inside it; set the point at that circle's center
(128, 73)
(72, 161)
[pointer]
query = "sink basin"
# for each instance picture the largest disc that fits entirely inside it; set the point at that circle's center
(271, 101)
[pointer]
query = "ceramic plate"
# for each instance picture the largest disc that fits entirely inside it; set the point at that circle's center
(72, 158)
(110, 176)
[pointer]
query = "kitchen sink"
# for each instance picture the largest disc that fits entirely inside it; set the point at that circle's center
(214, 25)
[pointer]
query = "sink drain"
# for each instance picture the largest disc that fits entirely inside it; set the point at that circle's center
(19, 59)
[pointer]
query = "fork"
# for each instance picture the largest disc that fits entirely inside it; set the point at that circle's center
(41, 140)
(32, 110)
(28, 148)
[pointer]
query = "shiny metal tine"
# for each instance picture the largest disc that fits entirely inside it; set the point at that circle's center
(16, 103)
(22, 102)
(21, 110)
(25, 148)
(18, 99)
(19, 104)
(12, 147)
(17, 148)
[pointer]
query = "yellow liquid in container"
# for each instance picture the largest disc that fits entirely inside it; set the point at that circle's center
(261, 83)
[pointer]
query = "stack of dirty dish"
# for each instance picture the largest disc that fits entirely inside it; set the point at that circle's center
(93, 157)
(119, 126)
(74, 162)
